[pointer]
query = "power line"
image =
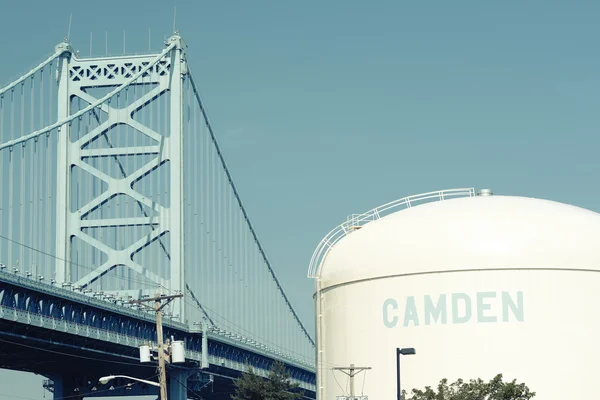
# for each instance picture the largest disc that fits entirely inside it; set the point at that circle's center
(204, 309)
(94, 392)
(74, 355)
(250, 334)
(71, 263)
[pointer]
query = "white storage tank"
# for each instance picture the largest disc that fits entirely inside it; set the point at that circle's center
(477, 284)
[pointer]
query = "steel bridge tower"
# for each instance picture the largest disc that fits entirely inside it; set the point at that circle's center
(116, 188)
(75, 78)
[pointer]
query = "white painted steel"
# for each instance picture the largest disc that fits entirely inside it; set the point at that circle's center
(63, 180)
(98, 103)
(60, 49)
(105, 195)
(75, 77)
(527, 269)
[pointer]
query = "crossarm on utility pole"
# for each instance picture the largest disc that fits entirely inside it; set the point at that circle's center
(159, 333)
(351, 371)
(158, 298)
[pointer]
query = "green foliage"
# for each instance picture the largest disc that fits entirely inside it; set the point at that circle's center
(495, 389)
(277, 387)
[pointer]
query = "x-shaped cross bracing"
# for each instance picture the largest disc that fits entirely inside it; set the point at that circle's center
(159, 221)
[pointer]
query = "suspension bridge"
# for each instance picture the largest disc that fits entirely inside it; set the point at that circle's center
(114, 188)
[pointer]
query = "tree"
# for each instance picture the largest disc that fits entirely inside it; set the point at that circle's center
(277, 386)
(495, 389)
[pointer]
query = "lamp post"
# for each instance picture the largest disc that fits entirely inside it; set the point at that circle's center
(105, 379)
(401, 352)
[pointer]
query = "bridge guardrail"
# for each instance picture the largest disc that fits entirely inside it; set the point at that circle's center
(82, 298)
(145, 316)
(17, 315)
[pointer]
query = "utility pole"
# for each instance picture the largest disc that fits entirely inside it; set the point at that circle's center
(351, 371)
(159, 333)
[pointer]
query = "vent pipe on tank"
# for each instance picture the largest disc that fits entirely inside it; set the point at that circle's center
(485, 192)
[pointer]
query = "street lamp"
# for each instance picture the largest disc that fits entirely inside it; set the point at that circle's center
(105, 379)
(401, 352)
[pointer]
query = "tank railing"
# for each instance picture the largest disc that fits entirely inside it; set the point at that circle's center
(356, 221)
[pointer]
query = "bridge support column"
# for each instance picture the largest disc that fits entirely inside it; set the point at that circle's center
(178, 384)
(67, 387)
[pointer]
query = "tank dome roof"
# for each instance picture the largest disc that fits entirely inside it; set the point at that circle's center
(469, 233)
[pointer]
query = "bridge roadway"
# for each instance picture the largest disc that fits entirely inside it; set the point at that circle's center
(73, 339)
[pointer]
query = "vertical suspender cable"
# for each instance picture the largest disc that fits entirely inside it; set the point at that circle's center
(2, 193)
(226, 253)
(247, 277)
(127, 208)
(95, 188)
(143, 186)
(235, 275)
(260, 249)
(154, 187)
(235, 261)
(49, 198)
(196, 239)
(48, 265)
(190, 216)
(22, 183)
(215, 234)
(135, 206)
(41, 194)
(11, 169)
(205, 275)
(244, 268)
(212, 235)
(241, 265)
(32, 178)
(164, 176)
(104, 209)
(189, 211)
(117, 206)
(78, 188)
(87, 193)
(93, 121)
(219, 232)
(149, 184)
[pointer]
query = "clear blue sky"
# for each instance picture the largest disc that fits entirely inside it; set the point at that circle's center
(324, 109)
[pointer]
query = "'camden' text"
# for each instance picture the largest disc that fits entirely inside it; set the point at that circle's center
(455, 308)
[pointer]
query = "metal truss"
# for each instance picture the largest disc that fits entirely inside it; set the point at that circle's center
(64, 316)
(75, 78)
(59, 140)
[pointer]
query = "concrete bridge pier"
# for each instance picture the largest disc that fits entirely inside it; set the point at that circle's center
(178, 384)
(65, 387)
